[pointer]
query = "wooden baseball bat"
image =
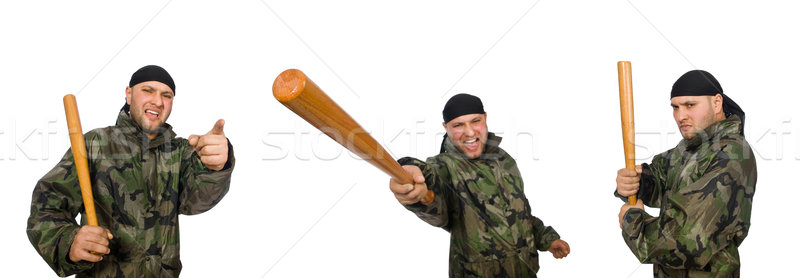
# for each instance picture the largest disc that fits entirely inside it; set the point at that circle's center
(626, 112)
(79, 154)
(297, 92)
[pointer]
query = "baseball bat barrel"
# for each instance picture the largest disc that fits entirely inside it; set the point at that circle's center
(296, 91)
(79, 154)
(626, 112)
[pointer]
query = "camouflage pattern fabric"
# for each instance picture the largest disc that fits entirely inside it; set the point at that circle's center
(139, 186)
(704, 188)
(481, 202)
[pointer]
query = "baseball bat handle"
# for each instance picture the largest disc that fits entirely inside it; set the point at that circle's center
(79, 154)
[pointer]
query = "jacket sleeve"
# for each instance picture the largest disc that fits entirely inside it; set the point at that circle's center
(52, 227)
(705, 215)
(202, 188)
(435, 213)
(544, 235)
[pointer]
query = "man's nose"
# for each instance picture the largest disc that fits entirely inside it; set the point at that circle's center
(682, 114)
(469, 131)
(157, 101)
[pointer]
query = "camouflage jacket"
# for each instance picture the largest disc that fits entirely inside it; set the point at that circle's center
(482, 204)
(139, 186)
(704, 188)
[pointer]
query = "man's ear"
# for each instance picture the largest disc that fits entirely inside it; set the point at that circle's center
(716, 101)
(128, 92)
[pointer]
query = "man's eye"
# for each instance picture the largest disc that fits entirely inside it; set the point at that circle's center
(689, 105)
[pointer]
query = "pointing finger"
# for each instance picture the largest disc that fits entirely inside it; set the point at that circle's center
(218, 126)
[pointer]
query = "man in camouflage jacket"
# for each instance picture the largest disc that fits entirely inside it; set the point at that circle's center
(479, 199)
(142, 178)
(704, 188)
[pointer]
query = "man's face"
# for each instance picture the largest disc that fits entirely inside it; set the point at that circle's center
(151, 103)
(468, 133)
(694, 113)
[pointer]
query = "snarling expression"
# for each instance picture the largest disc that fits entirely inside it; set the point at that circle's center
(468, 133)
(150, 103)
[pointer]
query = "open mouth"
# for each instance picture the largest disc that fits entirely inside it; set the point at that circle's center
(151, 114)
(471, 144)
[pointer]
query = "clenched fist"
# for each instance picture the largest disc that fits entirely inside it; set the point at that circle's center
(628, 181)
(90, 244)
(559, 249)
(408, 194)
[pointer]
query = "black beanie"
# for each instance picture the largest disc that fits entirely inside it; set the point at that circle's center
(150, 73)
(702, 83)
(460, 105)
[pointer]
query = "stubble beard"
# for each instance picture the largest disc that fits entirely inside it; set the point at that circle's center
(140, 119)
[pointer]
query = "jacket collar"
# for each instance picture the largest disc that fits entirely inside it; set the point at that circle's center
(731, 125)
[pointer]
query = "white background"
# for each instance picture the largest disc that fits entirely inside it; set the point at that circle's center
(300, 206)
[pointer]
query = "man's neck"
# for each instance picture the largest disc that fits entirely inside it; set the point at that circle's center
(718, 117)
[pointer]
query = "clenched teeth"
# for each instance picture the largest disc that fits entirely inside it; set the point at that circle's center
(151, 112)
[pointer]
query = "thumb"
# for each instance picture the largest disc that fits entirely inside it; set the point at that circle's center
(193, 140)
(638, 168)
(217, 129)
(419, 179)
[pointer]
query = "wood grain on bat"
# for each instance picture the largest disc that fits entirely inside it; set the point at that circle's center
(79, 155)
(626, 113)
(297, 92)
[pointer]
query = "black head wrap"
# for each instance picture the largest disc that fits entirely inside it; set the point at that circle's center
(150, 73)
(460, 105)
(702, 83)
